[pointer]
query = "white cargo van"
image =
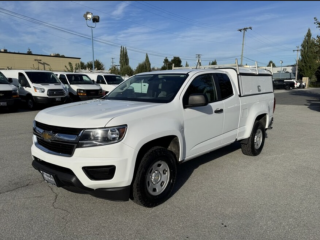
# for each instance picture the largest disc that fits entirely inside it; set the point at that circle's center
(9, 95)
(106, 81)
(37, 87)
(80, 86)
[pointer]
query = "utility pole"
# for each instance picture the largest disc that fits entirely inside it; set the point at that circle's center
(198, 56)
(244, 31)
(112, 64)
(298, 50)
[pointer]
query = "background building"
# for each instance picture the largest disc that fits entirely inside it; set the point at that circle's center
(12, 60)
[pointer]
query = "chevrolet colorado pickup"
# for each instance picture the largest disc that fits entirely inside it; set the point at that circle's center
(127, 145)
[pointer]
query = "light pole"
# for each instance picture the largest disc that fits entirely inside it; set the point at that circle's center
(89, 16)
(244, 30)
(281, 67)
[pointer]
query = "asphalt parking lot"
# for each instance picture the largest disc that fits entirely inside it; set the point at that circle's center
(221, 195)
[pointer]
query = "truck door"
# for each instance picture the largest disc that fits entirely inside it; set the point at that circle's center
(202, 125)
(231, 107)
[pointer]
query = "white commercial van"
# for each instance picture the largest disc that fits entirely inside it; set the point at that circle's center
(80, 86)
(37, 86)
(9, 95)
(106, 81)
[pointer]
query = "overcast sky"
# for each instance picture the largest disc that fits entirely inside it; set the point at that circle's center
(160, 29)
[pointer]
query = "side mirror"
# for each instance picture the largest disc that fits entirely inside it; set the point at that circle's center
(10, 80)
(197, 100)
(93, 81)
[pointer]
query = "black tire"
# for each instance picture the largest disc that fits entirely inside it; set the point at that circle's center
(155, 177)
(287, 87)
(30, 103)
(255, 143)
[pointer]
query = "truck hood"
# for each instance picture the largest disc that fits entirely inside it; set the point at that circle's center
(48, 85)
(89, 114)
(7, 87)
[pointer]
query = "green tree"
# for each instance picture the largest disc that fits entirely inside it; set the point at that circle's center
(127, 70)
(97, 65)
(187, 65)
(82, 65)
(70, 68)
(147, 63)
(308, 65)
(115, 70)
(176, 61)
(29, 51)
(271, 63)
(317, 43)
(213, 62)
(141, 68)
(166, 64)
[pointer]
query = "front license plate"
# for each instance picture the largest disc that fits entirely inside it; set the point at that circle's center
(3, 104)
(58, 99)
(48, 178)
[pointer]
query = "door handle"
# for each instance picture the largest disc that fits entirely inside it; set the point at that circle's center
(218, 110)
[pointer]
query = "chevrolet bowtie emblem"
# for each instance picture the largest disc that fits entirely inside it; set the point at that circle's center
(47, 136)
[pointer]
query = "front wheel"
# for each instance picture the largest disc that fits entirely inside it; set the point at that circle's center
(255, 143)
(155, 177)
(30, 103)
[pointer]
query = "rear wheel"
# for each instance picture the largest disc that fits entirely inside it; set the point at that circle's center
(155, 177)
(255, 143)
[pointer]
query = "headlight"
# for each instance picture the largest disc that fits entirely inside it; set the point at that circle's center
(41, 90)
(81, 92)
(102, 136)
(15, 93)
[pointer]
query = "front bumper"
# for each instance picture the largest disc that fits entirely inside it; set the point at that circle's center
(10, 102)
(65, 177)
(72, 169)
(50, 100)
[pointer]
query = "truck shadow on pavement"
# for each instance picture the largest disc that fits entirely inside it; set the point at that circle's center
(186, 169)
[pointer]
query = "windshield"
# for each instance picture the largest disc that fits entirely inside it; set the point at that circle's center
(113, 80)
(79, 79)
(3, 79)
(158, 88)
(42, 77)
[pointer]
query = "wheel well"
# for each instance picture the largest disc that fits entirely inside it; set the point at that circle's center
(263, 119)
(169, 142)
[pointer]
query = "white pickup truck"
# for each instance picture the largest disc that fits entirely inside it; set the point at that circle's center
(128, 144)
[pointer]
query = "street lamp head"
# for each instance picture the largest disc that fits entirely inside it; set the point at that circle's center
(281, 61)
(88, 16)
(95, 19)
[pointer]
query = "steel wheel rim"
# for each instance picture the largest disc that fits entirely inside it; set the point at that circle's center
(258, 139)
(158, 177)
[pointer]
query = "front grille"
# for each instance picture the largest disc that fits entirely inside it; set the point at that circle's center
(58, 147)
(5, 94)
(56, 129)
(55, 92)
(92, 92)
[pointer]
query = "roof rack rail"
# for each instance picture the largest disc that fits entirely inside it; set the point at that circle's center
(236, 65)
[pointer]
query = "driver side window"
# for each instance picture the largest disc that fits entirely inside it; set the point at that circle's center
(202, 84)
(100, 80)
(23, 80)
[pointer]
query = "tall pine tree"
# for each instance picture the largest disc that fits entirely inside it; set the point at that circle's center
(308, 60)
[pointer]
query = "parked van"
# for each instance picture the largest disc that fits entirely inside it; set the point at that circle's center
(80, 86)
(37, 86)
(106, 81)
(9, 95)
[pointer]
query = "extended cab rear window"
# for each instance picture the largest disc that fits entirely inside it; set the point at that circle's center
(224, 84)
